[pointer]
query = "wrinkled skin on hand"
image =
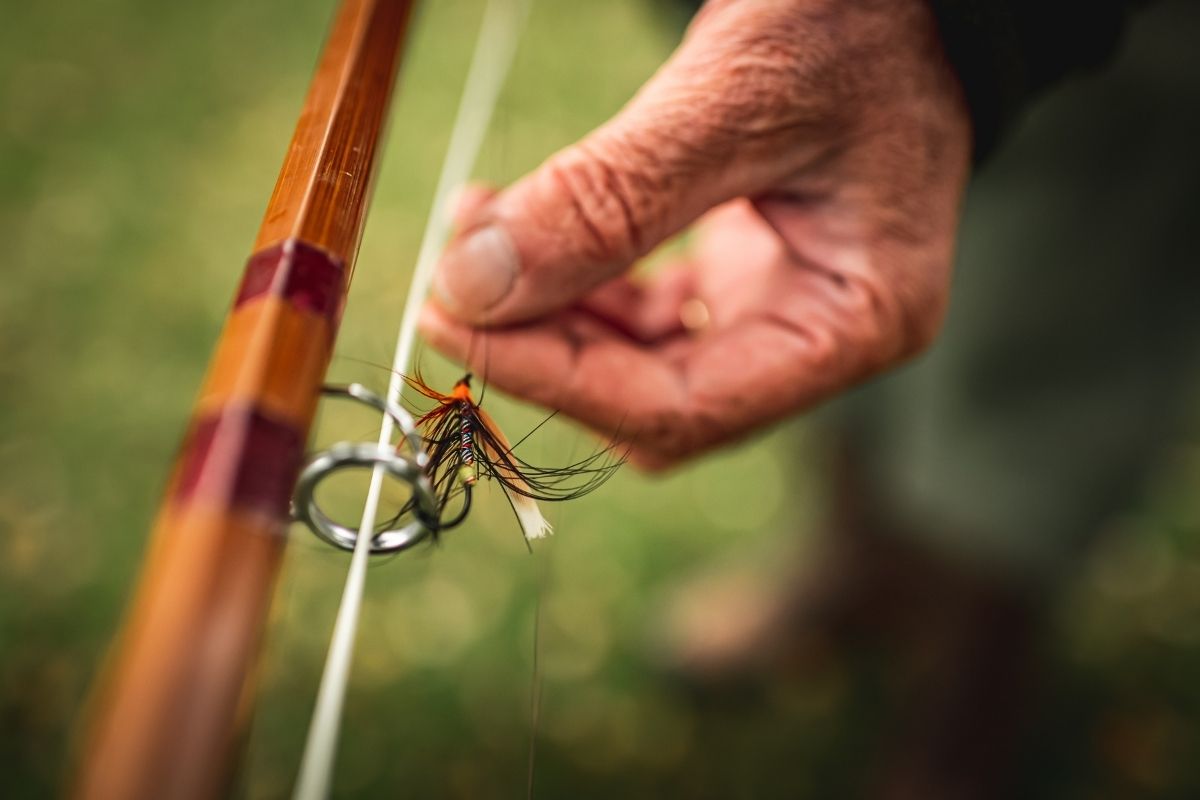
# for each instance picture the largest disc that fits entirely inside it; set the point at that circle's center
(823, 147)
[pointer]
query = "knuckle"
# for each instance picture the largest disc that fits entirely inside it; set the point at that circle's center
(778, 69)
(603, 204)
(905, 314)
(824, 350)
(666, 436)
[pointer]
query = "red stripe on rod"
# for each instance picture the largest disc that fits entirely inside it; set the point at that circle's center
(242, 459)
(306, 276)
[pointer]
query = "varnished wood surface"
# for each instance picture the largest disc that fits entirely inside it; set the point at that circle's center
(168, 714)
(319, 198)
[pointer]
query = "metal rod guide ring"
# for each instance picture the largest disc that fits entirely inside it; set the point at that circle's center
(407, 467)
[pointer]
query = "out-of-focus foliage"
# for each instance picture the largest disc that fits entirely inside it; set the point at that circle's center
(138, 144)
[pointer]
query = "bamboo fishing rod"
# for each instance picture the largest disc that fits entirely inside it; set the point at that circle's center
(171, 706)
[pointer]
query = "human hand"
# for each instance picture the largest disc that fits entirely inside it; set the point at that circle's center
(830, 137)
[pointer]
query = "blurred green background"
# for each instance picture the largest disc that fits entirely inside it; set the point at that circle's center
(139, 142)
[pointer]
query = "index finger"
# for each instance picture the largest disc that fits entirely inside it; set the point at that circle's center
(668, 401)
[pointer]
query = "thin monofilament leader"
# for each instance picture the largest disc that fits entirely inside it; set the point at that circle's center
(494, 51)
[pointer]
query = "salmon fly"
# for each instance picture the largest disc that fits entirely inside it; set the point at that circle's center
(465, 445)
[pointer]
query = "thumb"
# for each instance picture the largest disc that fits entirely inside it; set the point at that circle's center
(675, 151)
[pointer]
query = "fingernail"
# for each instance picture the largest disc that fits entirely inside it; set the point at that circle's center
(477, 272)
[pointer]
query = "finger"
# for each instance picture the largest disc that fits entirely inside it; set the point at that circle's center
(568, 347)
(706, 128)
(668, 408)
(648, 310)
(670, 301)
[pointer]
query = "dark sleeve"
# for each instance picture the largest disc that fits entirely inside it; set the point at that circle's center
(1008, 51)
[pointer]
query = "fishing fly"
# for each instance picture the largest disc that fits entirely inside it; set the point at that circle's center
(464, 444)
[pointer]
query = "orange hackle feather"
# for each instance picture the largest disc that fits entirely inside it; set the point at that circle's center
(534, 524)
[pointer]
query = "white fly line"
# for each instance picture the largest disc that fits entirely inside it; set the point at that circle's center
(494, 50)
